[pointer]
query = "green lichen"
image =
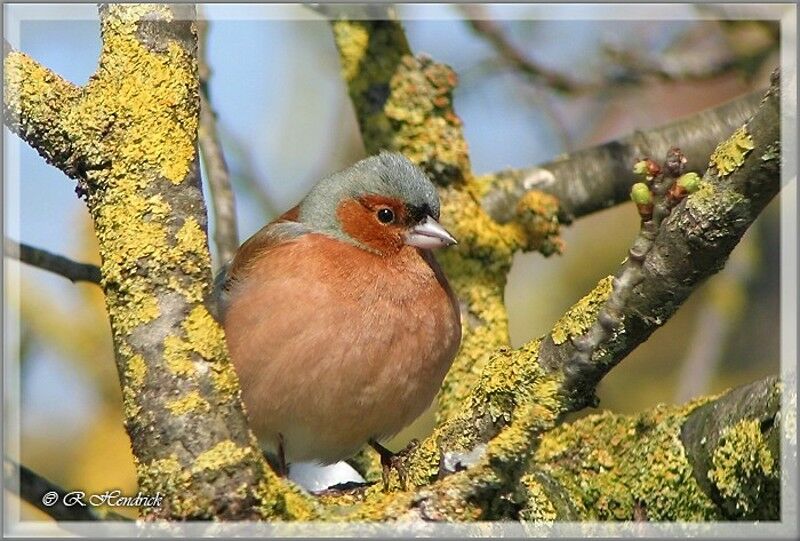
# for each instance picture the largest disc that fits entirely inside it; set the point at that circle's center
(192, 402)
(710, 200)
(743, 466)
(772, 152)
(583, 314)
(613, 465)
(730, 154)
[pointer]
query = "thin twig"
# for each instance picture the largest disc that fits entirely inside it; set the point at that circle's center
(226, 235)
(33, 488)
(636, 68)
(58, 264)
(512, 56)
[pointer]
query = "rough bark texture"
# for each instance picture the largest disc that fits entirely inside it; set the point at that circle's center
(129, 138)
(497, 451)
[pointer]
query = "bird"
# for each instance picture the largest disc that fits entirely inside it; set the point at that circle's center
(339, 321)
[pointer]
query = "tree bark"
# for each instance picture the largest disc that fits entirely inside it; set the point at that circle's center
(129, 137)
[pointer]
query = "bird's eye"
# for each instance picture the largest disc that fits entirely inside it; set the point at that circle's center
(386, 216)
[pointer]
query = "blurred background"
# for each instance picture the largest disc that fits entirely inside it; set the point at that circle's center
(286, 121)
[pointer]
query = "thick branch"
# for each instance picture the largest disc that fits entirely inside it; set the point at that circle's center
(600, 177)
(711, 459)
(58, 264)
(136, 123)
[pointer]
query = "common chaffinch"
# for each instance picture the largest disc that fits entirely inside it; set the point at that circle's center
(338, 319)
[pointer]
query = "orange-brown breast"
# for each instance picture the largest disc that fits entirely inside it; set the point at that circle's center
(335, 345)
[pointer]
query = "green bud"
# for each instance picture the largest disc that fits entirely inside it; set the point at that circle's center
(689, 182)
(640, 194)
(640, 167)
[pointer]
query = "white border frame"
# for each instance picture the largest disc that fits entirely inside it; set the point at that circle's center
(15, 14)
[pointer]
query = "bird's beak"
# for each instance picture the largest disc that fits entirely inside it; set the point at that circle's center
(429, 234)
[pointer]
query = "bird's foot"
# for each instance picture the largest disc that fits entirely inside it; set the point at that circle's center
(278, 460)
(394, 461)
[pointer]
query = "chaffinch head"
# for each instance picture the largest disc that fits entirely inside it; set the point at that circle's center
(339, 321)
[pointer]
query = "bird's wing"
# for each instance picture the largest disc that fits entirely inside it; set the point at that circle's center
(284, 229)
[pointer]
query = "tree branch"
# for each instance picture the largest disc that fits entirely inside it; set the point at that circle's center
(226, 235)
(36, 103)
(58, 264)
(136, 122)
(600, 177)
(667, 264)
(655, 466)
(513, 56)
(33, 487)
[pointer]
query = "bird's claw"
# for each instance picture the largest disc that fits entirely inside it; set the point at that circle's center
(394, 461)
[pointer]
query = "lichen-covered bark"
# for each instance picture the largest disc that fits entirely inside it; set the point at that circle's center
(129, 137)
(712, 459)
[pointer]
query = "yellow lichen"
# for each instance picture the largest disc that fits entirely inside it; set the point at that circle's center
(538, 508)
(225, 379)
(353, 38)
(191, 243)
(742, 466)
(730, 154)
(191, 402)
(176, 356)
(537, 212)
(203, 334)
(225, 453)
(583, 314)
(136, 371)
(610, 465)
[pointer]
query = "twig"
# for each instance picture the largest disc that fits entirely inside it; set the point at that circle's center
(512, 56)
(58, 264)
(33, 488)
(226, 235)
(609, 319)
(636, 68)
